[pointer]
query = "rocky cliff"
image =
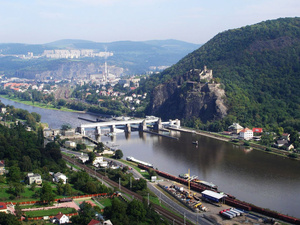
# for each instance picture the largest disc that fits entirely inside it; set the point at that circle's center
(189, 96)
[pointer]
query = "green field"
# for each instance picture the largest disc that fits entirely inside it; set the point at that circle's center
(49, 212)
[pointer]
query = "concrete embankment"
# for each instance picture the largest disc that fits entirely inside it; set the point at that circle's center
(211, 135)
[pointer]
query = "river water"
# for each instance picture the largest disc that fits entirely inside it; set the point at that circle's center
(253, 176)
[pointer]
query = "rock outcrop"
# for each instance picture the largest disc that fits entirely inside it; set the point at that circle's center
(193, 95)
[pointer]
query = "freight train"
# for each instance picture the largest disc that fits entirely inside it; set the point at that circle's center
(229, 200)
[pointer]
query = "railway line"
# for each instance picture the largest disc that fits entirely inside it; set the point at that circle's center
(174, 219)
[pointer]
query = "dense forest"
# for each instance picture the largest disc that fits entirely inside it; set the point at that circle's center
(259, 66)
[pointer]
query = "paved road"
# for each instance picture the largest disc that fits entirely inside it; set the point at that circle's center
(194, 217)
(191, 216)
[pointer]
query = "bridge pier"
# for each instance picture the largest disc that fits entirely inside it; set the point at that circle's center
(143, 126)
(82, 131)
(127, 128)
(98, 130)
(158, 125)
(112, 128)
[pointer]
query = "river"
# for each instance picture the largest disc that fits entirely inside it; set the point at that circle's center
(253, 176)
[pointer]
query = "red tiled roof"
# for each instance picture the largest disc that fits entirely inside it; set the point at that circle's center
(245, 130)
(257, 130)
(2, 206)
(94, 222)
(59, 216)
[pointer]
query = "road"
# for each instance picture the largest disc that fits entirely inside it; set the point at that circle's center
(191, 216)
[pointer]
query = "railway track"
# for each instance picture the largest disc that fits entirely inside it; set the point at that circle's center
(174, 219)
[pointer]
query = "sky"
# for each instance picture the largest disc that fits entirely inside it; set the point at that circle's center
(194, 21)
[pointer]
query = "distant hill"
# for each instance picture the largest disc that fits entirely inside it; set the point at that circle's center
(259, 66)
(133, 56)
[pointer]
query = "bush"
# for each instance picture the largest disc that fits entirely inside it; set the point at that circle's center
(268, 149)
(293, 155)
(246, 143)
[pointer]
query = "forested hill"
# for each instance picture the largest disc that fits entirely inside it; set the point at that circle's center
(260, 68)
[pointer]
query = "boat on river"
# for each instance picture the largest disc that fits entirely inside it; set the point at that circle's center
(195, 180)
(205, 183)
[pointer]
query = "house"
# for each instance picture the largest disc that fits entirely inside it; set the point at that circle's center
(235, 128)
(285, 136)
(2, 167)
(107, 222)
(246, 134)
(60, 218)
(94, 222)
(3, 110)
(281, 142)
(34, 178)
(99, 161)
(257, 130)
(289, 146)
(59, 176)
(3, 207)
(83, 158)
(70, 144)
(69, 132)
(107, 152)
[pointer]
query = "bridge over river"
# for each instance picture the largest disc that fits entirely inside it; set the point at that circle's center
(141, 123)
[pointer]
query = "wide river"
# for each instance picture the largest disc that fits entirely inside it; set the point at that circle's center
(253, 176)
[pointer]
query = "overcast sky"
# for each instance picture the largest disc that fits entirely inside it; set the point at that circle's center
(195, 21)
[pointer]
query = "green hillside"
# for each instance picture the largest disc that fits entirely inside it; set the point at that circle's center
(259, 66)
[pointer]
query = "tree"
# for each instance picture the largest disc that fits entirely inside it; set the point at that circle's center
(85, 214)
(8, 219)
(60, 187)
(118, 154)
(68, 189)
(80, 147)
(136, 211)
(14, 173)
(18, 211)
(36, 116)
(66, 126)
(46, 193)
(92, 157)
(99, 147)
(117, 212)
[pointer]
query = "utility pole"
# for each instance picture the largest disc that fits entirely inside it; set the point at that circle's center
(148, 198)
(184, 218)
(130, 183)
(120, 183)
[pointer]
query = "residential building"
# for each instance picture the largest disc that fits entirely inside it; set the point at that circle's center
(107, 222)
(59, 176)
(246, 134)
(70, 144)
(99, 162)
(257, 130)
(235, 128)
(94, 222)
(83, 158)
(3, 207)
(285, 136)
(34, 178)
(60, 218)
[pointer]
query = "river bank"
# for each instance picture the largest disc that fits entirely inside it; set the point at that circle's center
(273, 151)
(40, 105)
